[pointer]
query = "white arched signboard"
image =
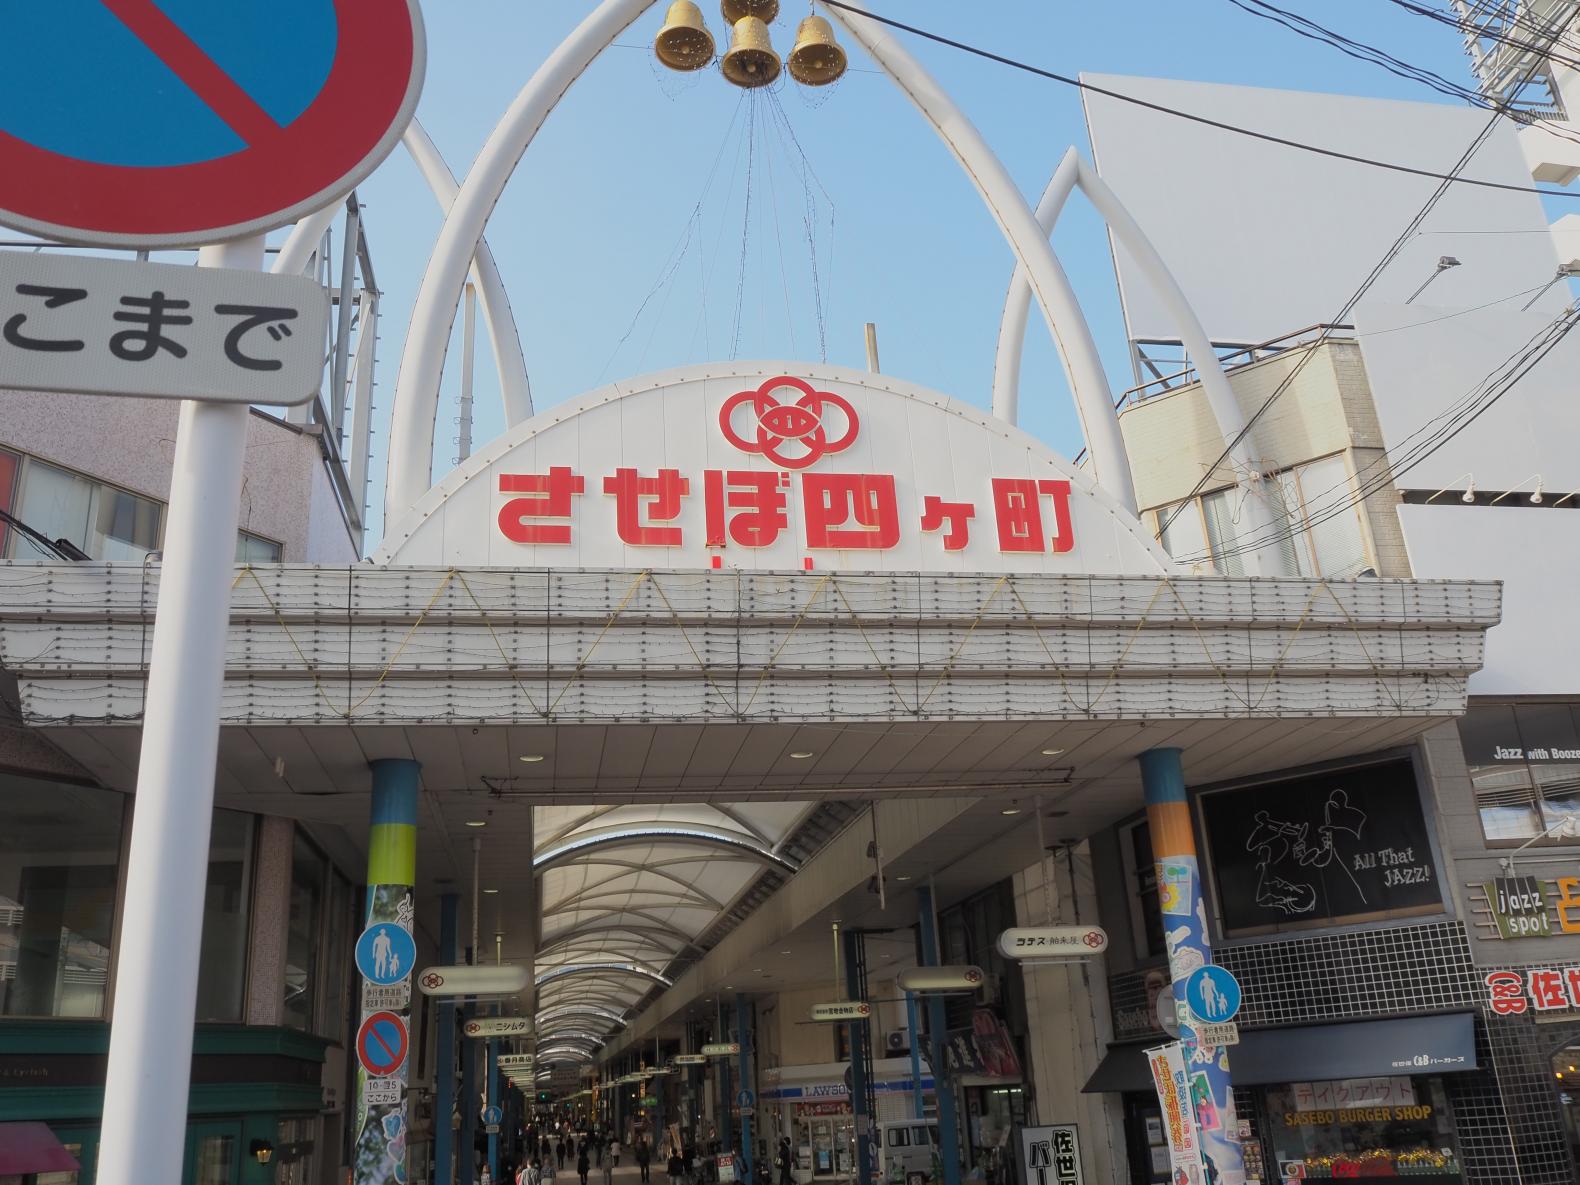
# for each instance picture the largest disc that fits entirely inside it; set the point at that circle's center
(775, 465)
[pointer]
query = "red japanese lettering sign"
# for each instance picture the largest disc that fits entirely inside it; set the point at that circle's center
(740, 466)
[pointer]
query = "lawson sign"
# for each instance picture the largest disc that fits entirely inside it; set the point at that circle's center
(787, 466)
(838, 1090)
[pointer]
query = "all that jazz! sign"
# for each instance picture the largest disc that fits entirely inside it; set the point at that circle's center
(772, 466)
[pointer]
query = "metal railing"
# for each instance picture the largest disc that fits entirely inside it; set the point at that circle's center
(1233, 359)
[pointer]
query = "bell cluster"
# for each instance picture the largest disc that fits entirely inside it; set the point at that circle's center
(684, 43)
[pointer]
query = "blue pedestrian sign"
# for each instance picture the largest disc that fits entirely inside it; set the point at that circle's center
(745, 1098)
(1212, 994)
(385, 953)
(492, 1114)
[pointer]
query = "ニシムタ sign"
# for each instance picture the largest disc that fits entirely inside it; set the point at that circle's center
(771, 466)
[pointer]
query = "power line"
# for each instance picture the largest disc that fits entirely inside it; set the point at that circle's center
(1454, 22)
(1206, 121)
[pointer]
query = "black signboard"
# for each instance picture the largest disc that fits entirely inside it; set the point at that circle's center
(1339, 846)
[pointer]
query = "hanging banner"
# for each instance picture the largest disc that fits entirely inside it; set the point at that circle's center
(1167, 1063)
(1051, 1155)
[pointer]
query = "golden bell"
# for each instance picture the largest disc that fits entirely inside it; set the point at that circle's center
(763, 10)
(684, 42)
(817, 58)
(751, 60)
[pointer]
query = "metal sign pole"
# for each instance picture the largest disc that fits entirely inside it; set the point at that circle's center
(145, 1094)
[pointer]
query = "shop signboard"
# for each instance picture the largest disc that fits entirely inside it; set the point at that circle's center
(726, 1165)
(1037, 943)
(985, 1048)
(502, 979)
(1519, 907)
(845, 1010)
(498, 1026)
(1167, 1063)
(1051, 1155)
(722, 1049)
(691, 1059)
(957, 978)
(1346, 845)
(1533, 989)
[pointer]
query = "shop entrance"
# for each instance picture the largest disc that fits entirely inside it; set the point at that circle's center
(1566, 1074)
(213, 1153)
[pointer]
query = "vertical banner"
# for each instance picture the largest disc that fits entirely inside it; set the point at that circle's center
(1167, 1063)
(1051, 1155)
(386, 954)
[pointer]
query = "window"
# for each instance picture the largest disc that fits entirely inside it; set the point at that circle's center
(60, 850)
(308, 872)
(1313, 1134)
(223, 970)
(899, 1137)
(255, 549)
(1146, 917)
(10, 464)
(1316, 531)
(1524, 762)
(106, 522)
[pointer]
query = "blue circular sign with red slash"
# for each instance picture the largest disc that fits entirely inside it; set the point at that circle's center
(181, 122)
(381, 1044)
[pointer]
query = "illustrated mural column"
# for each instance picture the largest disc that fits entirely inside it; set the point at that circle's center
(385, 954)
(1185, 934)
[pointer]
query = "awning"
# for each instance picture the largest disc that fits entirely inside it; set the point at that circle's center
(32, 1148)
(1441, 1044)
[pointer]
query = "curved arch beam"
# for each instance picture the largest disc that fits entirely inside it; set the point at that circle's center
(637, 928)
(1073, 171)
(416, 403)
(1017, 302)
(605, 911)
(509, 360)
(548, 1015)
(657, 833)
(433, 313)
(1077, 348)
(636, 969)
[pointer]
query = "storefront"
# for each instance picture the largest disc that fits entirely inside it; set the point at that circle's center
(811, 1105)
(1316, 1102)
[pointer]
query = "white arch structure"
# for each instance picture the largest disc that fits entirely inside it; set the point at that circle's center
(433, 315)
(1074, 173)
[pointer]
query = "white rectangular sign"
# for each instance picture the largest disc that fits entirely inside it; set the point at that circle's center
(1033, 943)
(844, 1010)
(498, 1026)
(724, 1049)
(1214, 1036)
(160, 330)
(1051, 1155)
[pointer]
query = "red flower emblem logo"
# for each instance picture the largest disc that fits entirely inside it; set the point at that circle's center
(432, 980)
(794, 435)
(1092, 939)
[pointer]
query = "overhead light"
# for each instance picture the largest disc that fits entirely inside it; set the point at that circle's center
(490, 890)
(532, 758)
(904, 876)
(802, 754)
(755, 970)
(1053, 752)
(477, 822)
(786, 952)
(1011, 809)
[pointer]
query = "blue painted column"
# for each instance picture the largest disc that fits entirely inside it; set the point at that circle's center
(915, 1023)
(743, 1032)
(493, 1100)
(860, 1117)
(468, 1142)
(444, 1063)
(1185, 932)
(379, 1136)
(721, 1114)
(948, 1133)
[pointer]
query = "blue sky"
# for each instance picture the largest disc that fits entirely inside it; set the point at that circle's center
(623, 237)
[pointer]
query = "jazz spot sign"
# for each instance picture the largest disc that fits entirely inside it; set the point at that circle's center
(183, 122)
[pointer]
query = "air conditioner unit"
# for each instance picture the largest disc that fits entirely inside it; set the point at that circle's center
(897, 1041)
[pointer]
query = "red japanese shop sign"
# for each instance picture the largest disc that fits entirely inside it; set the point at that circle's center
(1533, 989)
(772, 468)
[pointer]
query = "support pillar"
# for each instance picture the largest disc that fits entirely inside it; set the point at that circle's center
(378, 1146)
(743, 1034)
(1179, 889)
(444, 1067)
(915, 1021)
(493, 1100)
(856, 1036)
(721, 1113)
(466, 1147)
(948, 1133)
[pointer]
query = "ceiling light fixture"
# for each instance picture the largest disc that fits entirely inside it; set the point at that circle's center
(802, 754)
(490, 890)
(905, 876)
(1011, 809)
(1053, 752)
(532, 758)
(477, 822)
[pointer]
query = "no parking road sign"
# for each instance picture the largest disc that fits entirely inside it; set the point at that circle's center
(182, 122)
(381, 1044)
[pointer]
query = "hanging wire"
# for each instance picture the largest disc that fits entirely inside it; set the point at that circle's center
(746, 226)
